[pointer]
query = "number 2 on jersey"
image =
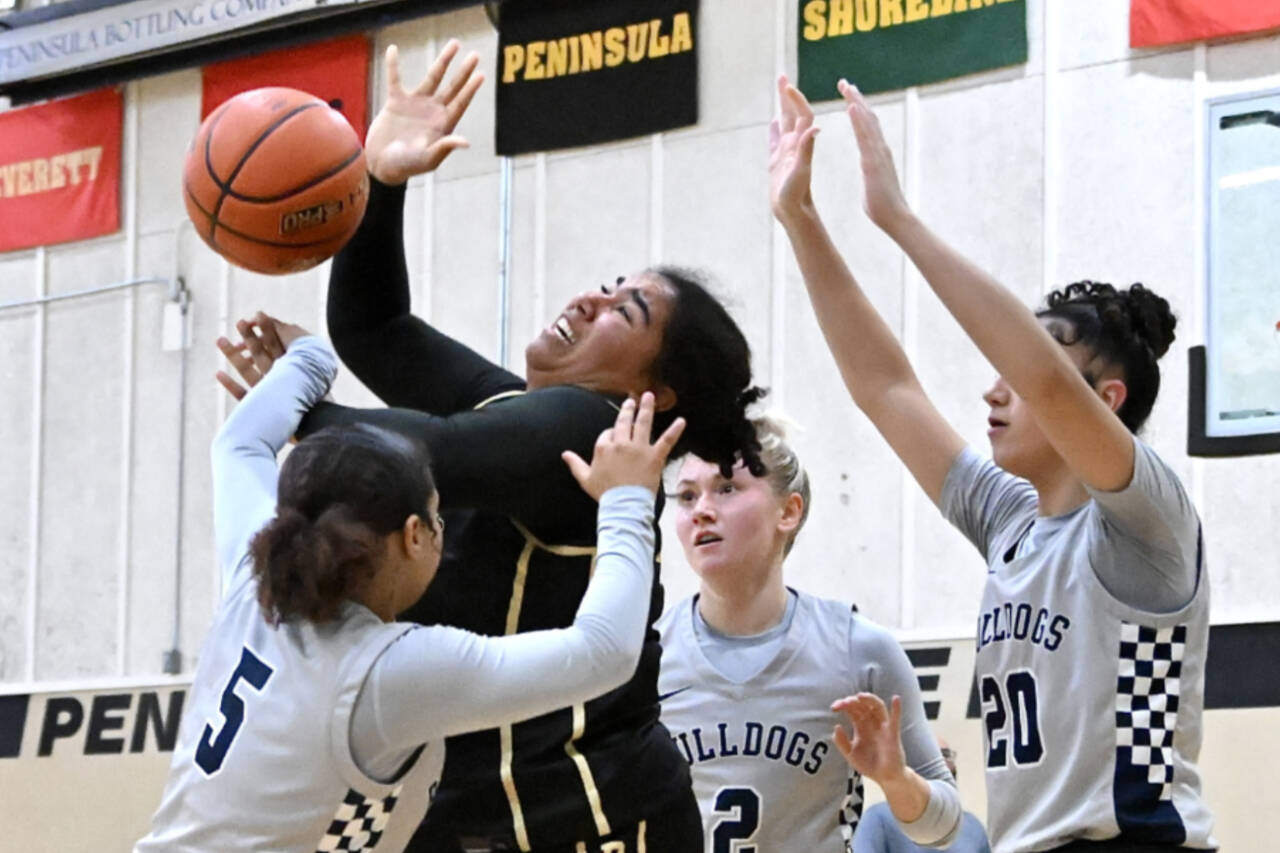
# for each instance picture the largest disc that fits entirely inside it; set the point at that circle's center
(1020, 701)
(742, 805)
(212, 750)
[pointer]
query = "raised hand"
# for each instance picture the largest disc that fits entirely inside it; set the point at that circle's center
(884, 202)
(623, 455)
(875, 747)
(413, 132)
(791, 136)
(263, 339)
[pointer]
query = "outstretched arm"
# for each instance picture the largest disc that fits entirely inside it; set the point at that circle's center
(872, 363)
(441, 681)
(244, 450)
(398, 356)
(1081, 427)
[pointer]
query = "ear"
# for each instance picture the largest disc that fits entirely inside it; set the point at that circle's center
(664, 398)
(1113, 393)
(413, 535)
(792, 512)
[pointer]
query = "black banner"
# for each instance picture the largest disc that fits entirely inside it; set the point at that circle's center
(572, 73)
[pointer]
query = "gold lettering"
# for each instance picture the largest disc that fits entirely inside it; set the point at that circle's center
(512, 62)
(636, 39)
(58, 172)
(94, 157)
(962, 5)
(938, 8)
(41, 168)
(890, 13)
(815, 20)
(592, 51)
(575, 58)
(917, 10)
(557, 57)
(840, 22)
(659, 44)
(8, 176)
(866, 20)
(73, 162)
(533, 68)
(681, 33)
(615, 46)
(24, 178)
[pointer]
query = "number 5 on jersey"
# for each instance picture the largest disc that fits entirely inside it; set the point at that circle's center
(212, 749)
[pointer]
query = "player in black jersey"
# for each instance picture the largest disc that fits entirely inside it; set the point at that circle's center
(521, 532)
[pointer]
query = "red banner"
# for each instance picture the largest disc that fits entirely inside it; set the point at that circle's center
(1154, 22)
(60, 170)
(335, 71)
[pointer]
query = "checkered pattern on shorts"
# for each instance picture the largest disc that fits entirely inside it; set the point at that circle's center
(1147, 699)
(359, 822)
(851, 809)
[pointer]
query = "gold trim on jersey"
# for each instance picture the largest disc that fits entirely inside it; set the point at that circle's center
(532, 542)
(509, 785)
(504, 767)
(560, 550)
(584, 769)
(501, 395)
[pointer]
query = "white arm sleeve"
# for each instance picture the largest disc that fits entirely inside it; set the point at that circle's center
(438, 681)
(886, 673)
(244, 450)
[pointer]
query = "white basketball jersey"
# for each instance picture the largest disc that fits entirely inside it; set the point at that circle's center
(1091, 707)
(272, 707)
(765, 771)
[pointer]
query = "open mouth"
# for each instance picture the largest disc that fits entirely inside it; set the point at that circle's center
(705, 538)
(562, 328)
(996, 423)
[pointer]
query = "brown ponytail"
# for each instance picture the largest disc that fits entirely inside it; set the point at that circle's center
(341, 491)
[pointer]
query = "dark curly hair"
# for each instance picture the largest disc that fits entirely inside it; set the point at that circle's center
(706, 360)
(1130, 329)
(341, 491)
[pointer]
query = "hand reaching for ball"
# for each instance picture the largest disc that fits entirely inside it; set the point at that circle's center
(413, 132)
(263, 339)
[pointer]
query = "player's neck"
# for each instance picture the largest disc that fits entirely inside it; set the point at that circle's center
(1059, 491)
(744, 610)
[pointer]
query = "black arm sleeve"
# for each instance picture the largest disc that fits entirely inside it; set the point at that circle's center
(504, 457)
(399, 357)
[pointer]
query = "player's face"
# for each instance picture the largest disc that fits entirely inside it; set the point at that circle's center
(606, 339)
(1018, 445)
(729, 528)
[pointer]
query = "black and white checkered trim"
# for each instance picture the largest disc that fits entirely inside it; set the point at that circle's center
(1147, 698)
(359, 822)
(850, 813)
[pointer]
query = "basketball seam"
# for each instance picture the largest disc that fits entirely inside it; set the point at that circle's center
(355, 155)
(226, 187)
(252, 239)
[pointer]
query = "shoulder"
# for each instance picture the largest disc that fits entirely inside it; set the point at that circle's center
(871, 641)
(668, 621)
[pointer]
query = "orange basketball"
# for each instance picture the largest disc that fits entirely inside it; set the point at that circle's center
(275, 180)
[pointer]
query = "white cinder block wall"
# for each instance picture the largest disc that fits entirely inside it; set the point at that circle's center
(1084, 163)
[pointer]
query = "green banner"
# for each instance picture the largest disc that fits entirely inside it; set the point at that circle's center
(881, 45)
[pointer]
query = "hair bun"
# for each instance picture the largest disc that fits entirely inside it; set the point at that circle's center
(1151, 318)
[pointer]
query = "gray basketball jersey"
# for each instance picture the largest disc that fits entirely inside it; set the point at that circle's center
(765, 771)
(1091, 705)
(275, 704)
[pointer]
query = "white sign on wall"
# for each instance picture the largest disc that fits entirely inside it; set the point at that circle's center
(134, 29)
